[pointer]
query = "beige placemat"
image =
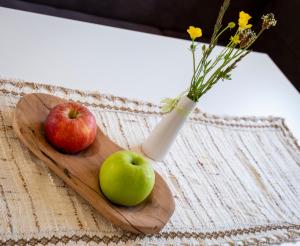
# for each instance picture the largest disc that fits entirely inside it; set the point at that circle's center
(234, 180)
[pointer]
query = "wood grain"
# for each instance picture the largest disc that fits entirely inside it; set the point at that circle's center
(80, 171)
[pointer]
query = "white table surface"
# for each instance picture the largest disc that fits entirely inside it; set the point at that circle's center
(80, 55)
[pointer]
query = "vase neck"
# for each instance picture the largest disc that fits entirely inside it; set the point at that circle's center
(185, 106)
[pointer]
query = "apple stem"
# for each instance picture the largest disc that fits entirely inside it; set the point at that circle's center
(73, 114)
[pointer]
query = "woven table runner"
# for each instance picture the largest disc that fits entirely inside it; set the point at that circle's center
(234, 180)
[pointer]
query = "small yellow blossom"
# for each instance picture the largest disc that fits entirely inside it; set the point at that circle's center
(243, 21)
(195, 32)
(235, 39)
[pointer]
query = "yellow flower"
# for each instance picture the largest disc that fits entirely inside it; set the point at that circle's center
(235, 39)
(195, 32)
(243, 21)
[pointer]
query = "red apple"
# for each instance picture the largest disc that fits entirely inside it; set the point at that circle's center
(70, 127)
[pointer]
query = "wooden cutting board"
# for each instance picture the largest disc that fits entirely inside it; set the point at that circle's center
(80, 171)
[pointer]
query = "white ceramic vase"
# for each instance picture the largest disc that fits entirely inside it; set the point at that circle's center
(158, 143)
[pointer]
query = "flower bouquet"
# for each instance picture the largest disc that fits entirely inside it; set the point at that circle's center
(207, 71)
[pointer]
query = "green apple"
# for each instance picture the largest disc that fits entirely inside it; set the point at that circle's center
(126, 178)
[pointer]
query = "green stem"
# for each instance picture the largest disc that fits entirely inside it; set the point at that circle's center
(224, 53)
(229, 47)
(212, 80)
(207, 53)
(194, 61)
(220, 33)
